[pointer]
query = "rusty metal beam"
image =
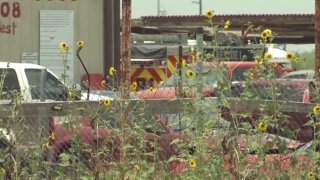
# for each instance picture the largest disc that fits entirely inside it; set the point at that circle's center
(299, 27)
(317, 38)
(237, 20)
(125, 50)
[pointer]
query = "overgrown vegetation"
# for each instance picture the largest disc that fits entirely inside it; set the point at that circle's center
(207, 139)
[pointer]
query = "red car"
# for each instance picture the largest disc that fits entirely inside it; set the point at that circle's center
(212, 73)
(107, 141)
(274, 90)
(63, 132)
(297, 156)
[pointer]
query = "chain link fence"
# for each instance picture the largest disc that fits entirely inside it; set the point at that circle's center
(59, 127)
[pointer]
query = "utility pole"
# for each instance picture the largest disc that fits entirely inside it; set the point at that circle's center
(200, 6)
(317, 40)
(125, 62)
(158, 6)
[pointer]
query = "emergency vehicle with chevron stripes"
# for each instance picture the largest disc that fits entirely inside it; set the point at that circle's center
(154, 57)
(149, 72)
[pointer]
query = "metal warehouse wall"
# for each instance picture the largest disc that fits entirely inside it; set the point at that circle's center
(20, 30)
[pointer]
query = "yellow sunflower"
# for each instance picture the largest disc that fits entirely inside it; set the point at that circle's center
(150, 89)
(209, 14)
(63, 46)
(262, 126)
(310, 175)
(192, 163)
(52, 136)
(112, 71)
(267, 55)
(106, 102)
(189, 74)
(2, 171)
(184, 63)
(46, 145)
(192, 50)
(199, 55)
(137, 168)
(259, 61)
(80, 44)
(70, 94)
(316, 109)
(296, 60)
(227, 25)
(134, 86)
(264, 35)
(268, 32)
(290, 55)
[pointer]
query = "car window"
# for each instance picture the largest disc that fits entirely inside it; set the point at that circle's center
(54, 90)
(9, 83)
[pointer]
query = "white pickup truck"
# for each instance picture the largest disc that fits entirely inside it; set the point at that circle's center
(33, 82)
(29, 83)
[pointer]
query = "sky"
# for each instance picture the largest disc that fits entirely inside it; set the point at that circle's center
(187, 7)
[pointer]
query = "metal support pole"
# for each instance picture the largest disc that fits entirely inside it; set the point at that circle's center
(87, 73)
(179, 89)
(111, 28)
(317, 39)
(200, 7)
(199, 39)
(125, 50)
(158, 8)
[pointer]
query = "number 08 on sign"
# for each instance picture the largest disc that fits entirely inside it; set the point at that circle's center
(10, 9)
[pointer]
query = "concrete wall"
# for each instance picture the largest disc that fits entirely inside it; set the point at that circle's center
(20, 33)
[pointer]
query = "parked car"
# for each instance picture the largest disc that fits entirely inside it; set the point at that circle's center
(284, 90)
(279, 154)
(300, 74)
(107, 139)
(212, 73)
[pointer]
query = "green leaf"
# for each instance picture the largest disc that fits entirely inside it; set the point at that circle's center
(176, 141)
(151, 170)
(172, 158)
(294, 161)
